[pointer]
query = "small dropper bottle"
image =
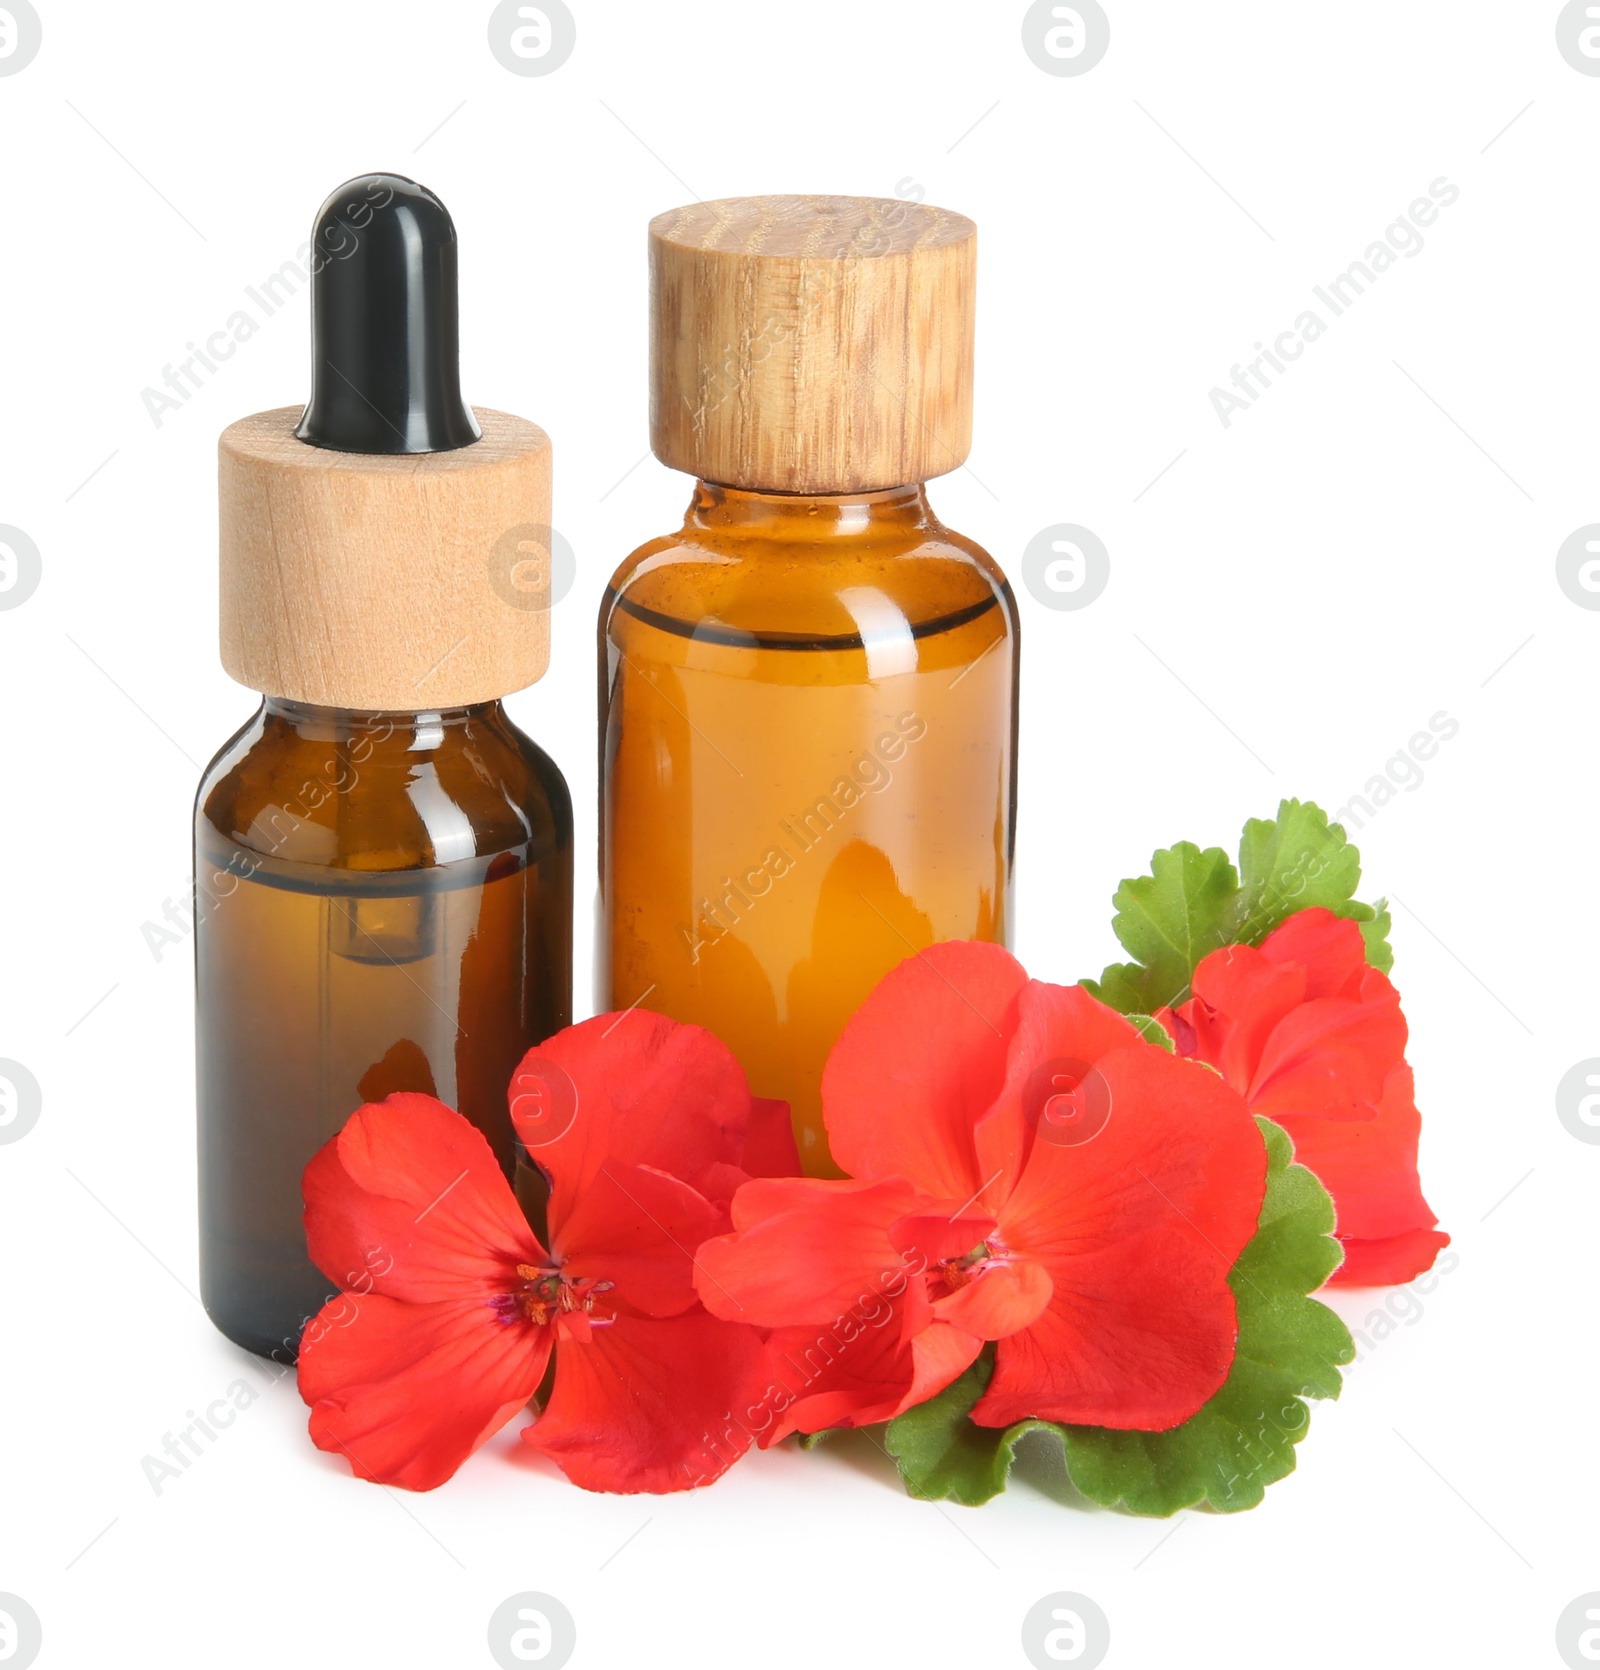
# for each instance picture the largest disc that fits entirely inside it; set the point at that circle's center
(808, 693)
(383, 862)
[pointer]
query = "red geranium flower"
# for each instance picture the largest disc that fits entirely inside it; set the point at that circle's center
(1312, 1036)
(452, 1307)
(1027, 1170)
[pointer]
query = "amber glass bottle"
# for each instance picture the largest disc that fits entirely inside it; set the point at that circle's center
(385, 904)
(383, 863)
(808, 693)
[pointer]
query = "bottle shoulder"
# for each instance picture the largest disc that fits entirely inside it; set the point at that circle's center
(379, 793)
(831, 586)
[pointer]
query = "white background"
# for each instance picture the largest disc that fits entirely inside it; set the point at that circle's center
(1292, 599)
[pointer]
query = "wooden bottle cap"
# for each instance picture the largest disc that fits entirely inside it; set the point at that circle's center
(811, 344)
(400, 583)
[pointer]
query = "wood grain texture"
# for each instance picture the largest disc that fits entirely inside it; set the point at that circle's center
(378, 583)
(812, 344)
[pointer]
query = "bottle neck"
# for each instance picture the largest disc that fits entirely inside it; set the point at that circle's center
(890, 512)
(423, 729)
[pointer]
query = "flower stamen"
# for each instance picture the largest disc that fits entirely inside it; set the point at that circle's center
(949, 1274)
(543, 1294)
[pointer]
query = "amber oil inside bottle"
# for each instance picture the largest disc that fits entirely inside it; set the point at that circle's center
(383, 903)
(808, 768)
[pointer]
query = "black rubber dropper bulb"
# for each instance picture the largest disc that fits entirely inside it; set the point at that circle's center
(385, 330)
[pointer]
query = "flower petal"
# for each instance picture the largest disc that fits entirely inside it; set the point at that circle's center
(804, 1251)
(1240, 996)
(1138, 1228)
(1317, 1036)
(919, 1064)
(1331, 1070)
(1330, 1058)
(1386, 1263)
(408, 1200)
(1056, 1025)
(936, 1231)
(651, 1403)
(1328, 949)
(939, 1354)
(769, 1151)
(1370, 1169)
(1003, 1299)
(769, 1145)
(858, 1370)
(407, 1392)
(637, 1229)
(649, 1092)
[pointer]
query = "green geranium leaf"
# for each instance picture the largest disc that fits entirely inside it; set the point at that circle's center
(944, 1457)
(1289, 1348)
(1375, 931)
(1169, 920)
(1153, 1032)
(1193, 902)
(1294, 862)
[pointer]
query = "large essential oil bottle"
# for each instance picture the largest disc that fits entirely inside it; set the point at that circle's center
(383, 862)
(808, 693)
